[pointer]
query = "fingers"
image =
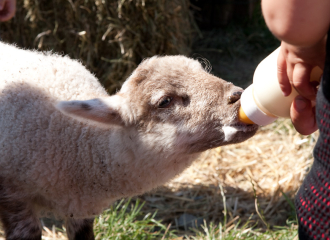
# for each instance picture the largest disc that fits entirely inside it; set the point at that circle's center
(7, 9)
(2, 4)
(300, 81)
(282, 74)
(302, 111)
(303, 115)
(295, 65)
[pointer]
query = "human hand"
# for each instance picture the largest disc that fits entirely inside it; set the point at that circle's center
(295, 65)
(7, 9)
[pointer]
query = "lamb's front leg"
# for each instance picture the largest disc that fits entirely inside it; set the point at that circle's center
(19, 220)
(80, 229)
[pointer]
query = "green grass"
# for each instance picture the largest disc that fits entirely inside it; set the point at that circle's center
(125, 220)
(213, 232)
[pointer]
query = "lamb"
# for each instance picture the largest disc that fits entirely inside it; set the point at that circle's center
(70, 149)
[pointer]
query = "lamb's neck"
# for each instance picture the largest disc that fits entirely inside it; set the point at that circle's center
(129, 165)
(99, 166)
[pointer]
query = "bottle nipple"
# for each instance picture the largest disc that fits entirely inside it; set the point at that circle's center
(250, 112)
(243, 118)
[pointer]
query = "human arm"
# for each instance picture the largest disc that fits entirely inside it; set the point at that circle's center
(7, 9)
(297, 22)
(302, 26)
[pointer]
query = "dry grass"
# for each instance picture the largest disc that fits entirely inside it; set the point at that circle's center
(109, 37)
(274, 161)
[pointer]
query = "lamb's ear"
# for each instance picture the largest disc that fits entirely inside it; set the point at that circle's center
(99, 110)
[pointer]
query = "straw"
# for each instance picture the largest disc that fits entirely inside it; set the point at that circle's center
(110, 37)
(275, 160)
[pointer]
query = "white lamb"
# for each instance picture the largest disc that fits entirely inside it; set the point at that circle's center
(69, 148)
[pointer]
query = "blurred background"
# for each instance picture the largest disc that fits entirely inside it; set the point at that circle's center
(242, 191)
(112, 37)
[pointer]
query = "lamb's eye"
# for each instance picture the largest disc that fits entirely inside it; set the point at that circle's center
(165, 102)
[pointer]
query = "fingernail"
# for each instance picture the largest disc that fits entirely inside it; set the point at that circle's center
(301, 103)
(285, 94)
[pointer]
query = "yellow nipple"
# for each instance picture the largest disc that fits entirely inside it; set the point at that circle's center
(243, 118)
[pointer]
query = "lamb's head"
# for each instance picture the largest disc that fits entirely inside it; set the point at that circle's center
(173, 101)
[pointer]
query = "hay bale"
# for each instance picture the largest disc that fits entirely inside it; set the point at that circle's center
(109, 36)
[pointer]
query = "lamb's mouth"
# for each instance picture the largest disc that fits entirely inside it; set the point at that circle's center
(244, 127)
(237, 124)
(230, 131)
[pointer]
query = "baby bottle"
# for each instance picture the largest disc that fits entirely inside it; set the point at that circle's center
(263, 101)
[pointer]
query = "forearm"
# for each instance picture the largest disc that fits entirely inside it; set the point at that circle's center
(302, 23)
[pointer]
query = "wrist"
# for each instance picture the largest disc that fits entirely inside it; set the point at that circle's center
(298, 46)
(313, 54)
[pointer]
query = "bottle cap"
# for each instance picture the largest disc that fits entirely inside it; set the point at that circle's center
(249, 111)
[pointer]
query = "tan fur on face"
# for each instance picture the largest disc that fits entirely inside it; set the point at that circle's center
(200, 101)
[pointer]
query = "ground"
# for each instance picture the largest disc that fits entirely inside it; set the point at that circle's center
(253, 175)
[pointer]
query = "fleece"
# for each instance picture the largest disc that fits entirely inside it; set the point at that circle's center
(69, 148)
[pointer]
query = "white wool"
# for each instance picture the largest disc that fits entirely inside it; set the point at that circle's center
(75, 169)
(57, 144)
(229, 132)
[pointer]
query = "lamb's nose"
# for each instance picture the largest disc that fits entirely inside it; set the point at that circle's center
(234, 97)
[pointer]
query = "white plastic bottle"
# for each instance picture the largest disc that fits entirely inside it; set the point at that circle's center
(263, 101)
